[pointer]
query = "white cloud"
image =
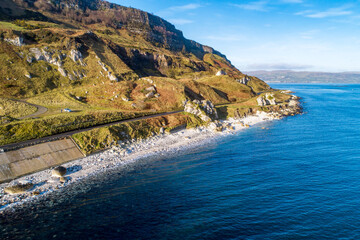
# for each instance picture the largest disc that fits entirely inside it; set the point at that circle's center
(261, 6)
(187, 7)
(331, 12)
(180, 21)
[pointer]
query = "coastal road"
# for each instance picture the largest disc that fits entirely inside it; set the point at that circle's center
(40, 109)
(12, 146)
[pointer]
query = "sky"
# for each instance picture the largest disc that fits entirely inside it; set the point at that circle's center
(299, 35)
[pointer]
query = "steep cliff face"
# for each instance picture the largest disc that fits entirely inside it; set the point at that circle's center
(154, 29)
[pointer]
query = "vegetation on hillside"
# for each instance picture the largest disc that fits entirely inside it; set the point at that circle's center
(105, 62)
(105, 137)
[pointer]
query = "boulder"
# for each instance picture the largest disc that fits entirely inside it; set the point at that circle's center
(221, 73)
(62, 179)
(37, 54)
(18, 188)
(59, 171)
(30, 59)
(112, 77)
(150, 94)
(125, 99)
(151, 89)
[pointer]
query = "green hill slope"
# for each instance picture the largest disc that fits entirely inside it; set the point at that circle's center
(91, 55)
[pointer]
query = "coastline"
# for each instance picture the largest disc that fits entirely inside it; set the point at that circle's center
(122, 155)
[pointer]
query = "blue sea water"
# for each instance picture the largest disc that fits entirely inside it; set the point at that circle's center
(299, 178)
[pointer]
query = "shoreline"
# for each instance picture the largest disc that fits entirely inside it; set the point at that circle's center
(120, 156)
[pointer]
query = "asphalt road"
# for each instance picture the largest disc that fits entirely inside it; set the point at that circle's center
(12, 146)
(40, 109)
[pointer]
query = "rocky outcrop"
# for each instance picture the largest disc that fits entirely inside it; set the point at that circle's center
(248, 112)
(109, 74)
(204, 109)
(290, 107)
(151, 92)
(62, 72)
(221, 73)
(76, 56)
(53, 57)
(17, 41)
(28, 75)
(244, 80)
(267, 99)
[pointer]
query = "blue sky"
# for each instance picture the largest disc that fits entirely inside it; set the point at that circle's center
(280, 34)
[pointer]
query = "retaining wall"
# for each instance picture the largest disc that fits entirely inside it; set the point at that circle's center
(14, 164)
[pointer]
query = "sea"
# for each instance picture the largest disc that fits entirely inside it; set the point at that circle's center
(295, 178)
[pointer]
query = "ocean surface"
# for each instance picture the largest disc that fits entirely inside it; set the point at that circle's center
(299, 178)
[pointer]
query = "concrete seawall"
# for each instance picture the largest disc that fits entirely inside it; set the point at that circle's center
(14, 164)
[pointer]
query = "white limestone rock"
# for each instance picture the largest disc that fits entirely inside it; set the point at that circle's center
(112, 77)
(151, 89)
(203, 109)
(221, 73)
(75, 55)
(62, 71)
(244, 80)
(125, 99)
(150, 94)
(267, 99)
(37, 54)
(17, 41)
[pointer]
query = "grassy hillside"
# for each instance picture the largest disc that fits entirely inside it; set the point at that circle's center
(100, 58)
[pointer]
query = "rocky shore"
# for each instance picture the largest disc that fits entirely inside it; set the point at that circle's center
(42, 184)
